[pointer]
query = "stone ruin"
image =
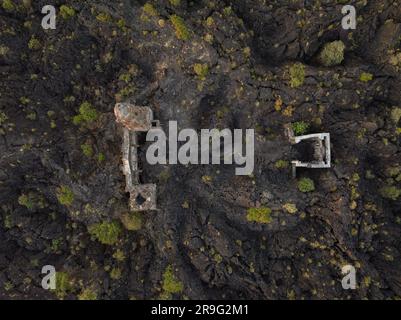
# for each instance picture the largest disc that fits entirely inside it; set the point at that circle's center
(135, 119)
(317, 148)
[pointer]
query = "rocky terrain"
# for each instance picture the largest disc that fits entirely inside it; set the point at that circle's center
(206, 64)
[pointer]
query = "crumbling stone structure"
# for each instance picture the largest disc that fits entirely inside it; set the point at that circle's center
(320, 142)
(135, 119)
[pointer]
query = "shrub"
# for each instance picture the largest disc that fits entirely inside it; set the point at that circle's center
(32, 201)
(63, 284)
(181, 31)
(87, 294)
(332, 53)
(201, 70)
(306, 185)
(395, 114)
(87, 114)
(366, 77)
(34, 44)
(26, 201)
(8, 5)
(115, 273)
(4, 50)
(260, 215)
(300, 127)
(65, 195)
(67, 12)
(390, 192)
(103, 17)
(290, 208)
(297, 75)
(281, 164)
(132, 221)
(150, 10)
(170, 283)
(87, 150)
(175, 3)
(106, 232)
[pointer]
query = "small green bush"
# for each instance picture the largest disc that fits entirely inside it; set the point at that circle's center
(297, 75)
(24, 200)
(201, 70)
(281, 164)
(395, 114)
(150, 10)
(87, 114)
(175, 3)
(63, 284)
(332, 53)
(67, 12)
(306, 185)
(106, 232)
(260, 215)
(65, 196)
(34, 44)
(390, 192)
(181, 31)
(3, 118)
(32, 201)
(300, 127)
(366, 77)
(87, 294)
(170, 283)
(132, 221)
(103, 17)
(8, 5)
(87, 150)
(290, 208)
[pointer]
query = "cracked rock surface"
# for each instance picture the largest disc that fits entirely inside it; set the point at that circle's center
(227, 64)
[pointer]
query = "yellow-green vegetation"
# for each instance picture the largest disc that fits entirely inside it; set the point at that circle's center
(3, 118)
(106, 232)
(281, 164)
(87, 294)
(119, 255)
(300, 127)
(103, 17)
(207, 179)
(24, 100)
(31, 201)
(34, 44)
(297, 75)
(260, 215)
(8, 5)
(306, 185)
(4, 50)
(201, 70)
(67, 12)
(181, 30)
(150, 10)
(390, 192)
(290, 208)
(87, 114)
(101, 157)
(366, 77)
(63, 284)
(332, 53)
(132, 221)
(171, 283)
(87, 150)
(65, 195)
(175, 3)
(115, 273)
(209, 21)
(395, 114)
